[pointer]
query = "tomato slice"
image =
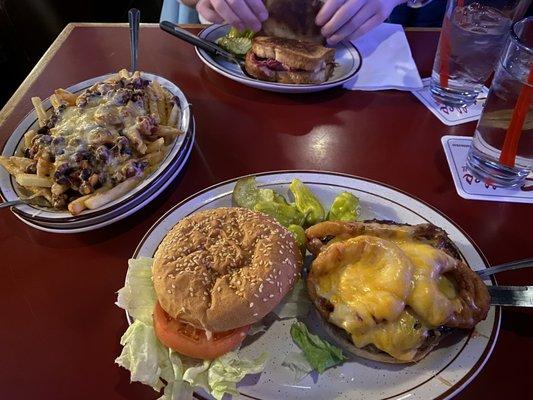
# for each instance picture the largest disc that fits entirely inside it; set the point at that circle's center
(192, 342)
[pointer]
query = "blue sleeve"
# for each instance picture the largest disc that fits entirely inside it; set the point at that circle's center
(175, 11)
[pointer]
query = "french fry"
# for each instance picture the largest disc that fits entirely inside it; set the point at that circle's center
(114, 193)
(43, 167)
(28, 137)
(41, 113)
(152, 104)
(167, 131)
(174, 116)
(56, 102)
(153, 158)
(33, 180)
(65, 95)
(78, 205)
(161, 102)
(155, 145)
(21, 162)
(123, 73)
(42, 192)
(8, 165)
(57, 189)
(135, 137)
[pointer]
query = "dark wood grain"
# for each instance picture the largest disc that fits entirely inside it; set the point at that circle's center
(61, 330)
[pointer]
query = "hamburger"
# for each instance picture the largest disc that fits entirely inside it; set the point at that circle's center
(284, 60)
(390, 292)
(217, 272)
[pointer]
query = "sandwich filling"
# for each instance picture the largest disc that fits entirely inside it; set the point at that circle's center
(389, 292)
(275, 65)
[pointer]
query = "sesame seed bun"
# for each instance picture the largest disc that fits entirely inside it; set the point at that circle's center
(225, 268)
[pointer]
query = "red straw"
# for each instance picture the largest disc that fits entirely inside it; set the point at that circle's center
(512, 137)
(445, 48)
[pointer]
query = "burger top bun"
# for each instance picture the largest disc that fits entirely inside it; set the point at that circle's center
(225, 268)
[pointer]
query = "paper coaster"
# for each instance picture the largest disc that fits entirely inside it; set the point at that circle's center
(468, 187)
(451, 115)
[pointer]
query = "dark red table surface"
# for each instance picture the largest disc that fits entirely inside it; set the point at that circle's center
(60, 331)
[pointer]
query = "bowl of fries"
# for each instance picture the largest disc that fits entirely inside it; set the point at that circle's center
(96, 152)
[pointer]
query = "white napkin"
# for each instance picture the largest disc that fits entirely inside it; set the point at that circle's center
(387, 61)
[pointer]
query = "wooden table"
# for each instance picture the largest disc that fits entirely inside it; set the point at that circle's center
(60, 330)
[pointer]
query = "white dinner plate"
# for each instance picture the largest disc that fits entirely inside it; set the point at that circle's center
(347, 58)
(442, 374)
(9, 189)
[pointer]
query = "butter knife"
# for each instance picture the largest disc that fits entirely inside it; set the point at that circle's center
(517, 296)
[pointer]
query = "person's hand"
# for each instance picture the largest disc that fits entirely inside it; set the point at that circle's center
(349, 19)
(241, 14)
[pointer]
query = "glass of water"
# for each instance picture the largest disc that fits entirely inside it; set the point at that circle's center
(501, 153)
(472, 37)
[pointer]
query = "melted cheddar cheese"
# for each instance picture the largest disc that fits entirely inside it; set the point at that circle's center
(388, 292)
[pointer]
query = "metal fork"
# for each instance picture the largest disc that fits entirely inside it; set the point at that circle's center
(526, 263)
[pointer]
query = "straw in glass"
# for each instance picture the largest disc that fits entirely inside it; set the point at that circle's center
(512, 137)
(445, 48)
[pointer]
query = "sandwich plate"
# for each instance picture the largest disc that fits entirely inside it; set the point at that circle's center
(441, 375)
(347, 58)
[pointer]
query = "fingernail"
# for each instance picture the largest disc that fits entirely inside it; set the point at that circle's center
(263, 16)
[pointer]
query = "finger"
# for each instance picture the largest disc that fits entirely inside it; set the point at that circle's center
(205, 9)
(366, 27)
(225, 11)
(247, 17)
(352, 25)
(327, 11)
(259, 9)
(344, 14)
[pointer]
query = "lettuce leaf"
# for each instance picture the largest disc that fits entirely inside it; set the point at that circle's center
(295, 304)
(143, 355)
(298, 364)
(320, 354)
(221, 375)
(137, 296)
(226, 371)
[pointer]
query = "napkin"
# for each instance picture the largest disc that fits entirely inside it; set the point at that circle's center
(387, 61)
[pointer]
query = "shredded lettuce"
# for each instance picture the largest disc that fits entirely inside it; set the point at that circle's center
(138, 294)
(143, 355)
(295, 304)
(298, 364)
(320, 354)
(153, 364)
(221, 376)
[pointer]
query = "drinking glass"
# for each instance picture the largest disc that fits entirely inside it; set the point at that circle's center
(472, 37)
(501, 153)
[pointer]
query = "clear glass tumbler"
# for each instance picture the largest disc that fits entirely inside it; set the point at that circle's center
(502, 149)
(472, 37)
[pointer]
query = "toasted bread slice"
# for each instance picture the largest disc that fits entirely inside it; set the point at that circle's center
(295, 54)
(295, 77)
(293, 19)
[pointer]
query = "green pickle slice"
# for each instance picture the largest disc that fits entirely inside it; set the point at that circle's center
(345, 207)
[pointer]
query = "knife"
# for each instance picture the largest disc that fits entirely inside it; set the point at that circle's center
(518, 296)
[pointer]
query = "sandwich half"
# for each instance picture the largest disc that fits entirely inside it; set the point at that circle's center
(293, 19)
(281, 60)
(390, 292)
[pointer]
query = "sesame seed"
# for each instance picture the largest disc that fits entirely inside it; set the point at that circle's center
(270, 295)
(251, 305)
(265, 300)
